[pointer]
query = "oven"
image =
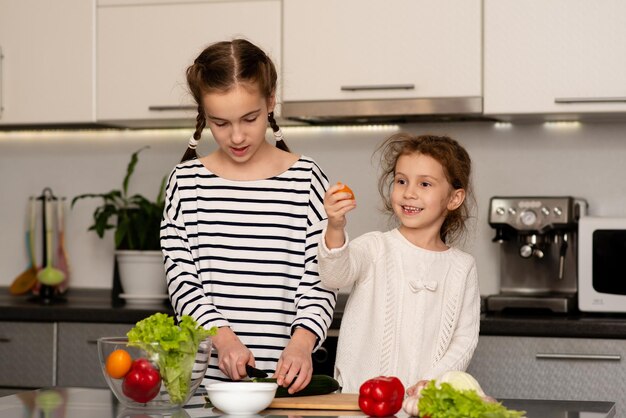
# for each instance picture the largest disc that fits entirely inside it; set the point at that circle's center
(324, 357)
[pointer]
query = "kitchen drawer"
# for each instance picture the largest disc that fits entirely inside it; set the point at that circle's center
(78, 363)
(551, 368)
(27, 354)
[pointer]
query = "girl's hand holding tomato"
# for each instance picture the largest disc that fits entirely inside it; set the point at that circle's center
(338, 200)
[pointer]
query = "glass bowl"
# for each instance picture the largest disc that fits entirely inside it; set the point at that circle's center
(151, 379)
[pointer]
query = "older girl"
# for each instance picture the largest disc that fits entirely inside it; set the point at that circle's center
(241, 226)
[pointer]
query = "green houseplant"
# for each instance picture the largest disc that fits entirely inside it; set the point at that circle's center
(137, 224)
(136, 219)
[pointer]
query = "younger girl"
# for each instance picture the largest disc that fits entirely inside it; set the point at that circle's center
(414, 308)
(241, 226)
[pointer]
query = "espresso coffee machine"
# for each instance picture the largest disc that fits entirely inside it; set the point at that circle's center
(538, 239)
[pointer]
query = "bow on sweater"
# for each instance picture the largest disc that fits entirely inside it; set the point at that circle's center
(419, 285)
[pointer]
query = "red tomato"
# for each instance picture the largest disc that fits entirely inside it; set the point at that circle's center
(143, 382)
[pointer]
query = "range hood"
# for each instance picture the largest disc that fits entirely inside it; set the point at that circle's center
(383, 110)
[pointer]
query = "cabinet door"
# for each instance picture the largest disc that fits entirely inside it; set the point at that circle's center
(27, 354)
(554, 57)
(368, 49)
(551, 368)
(144, 50)
(46, 61)
(78, 363)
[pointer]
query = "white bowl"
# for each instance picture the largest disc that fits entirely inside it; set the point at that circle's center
(241, 398)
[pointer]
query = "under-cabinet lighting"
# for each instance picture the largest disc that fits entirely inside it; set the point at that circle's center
(81, 134)
(172, 133)
(503, 125)
(564, 124)
(342, 128)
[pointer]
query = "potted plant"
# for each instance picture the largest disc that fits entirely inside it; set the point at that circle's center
(137, 222)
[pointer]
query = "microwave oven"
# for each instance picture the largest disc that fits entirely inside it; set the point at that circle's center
(602, 264)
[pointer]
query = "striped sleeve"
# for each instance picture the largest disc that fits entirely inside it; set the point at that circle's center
(315, 302)
(183, 281)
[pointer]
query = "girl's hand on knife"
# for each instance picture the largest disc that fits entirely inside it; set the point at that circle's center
(295, 366)
(232, 354)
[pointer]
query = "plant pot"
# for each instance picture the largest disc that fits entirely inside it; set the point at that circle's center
(142, 274)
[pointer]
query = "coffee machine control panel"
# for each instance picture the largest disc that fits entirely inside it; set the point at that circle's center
(533, 213)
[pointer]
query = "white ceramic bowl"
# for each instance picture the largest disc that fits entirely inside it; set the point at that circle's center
(241, 398)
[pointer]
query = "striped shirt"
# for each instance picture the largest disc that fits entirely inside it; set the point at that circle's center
(243, 254)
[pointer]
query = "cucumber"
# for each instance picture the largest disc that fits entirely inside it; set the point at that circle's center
(320, 384)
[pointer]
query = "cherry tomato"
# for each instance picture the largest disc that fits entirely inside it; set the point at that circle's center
(118, 363)
(345, 189)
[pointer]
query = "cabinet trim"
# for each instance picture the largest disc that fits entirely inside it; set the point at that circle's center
(379, 87)
(1, 77)
(55, 352)
(567, 356)
(173, 107)
(387, 107)
(569, 100)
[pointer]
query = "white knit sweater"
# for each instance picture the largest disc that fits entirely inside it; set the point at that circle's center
(411, 313)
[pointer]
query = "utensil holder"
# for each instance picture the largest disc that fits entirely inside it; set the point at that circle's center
(46, 294)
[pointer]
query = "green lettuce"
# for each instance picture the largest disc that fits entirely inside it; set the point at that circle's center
(444, 401)
(173, 347)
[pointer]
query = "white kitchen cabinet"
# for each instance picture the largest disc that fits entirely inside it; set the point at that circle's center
(558, 58)
(78, 363)
(551, 368)
(27, 354)
(371, 49)
(144, 49)
(46, 62)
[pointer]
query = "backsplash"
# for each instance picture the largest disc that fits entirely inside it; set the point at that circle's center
(583, 160)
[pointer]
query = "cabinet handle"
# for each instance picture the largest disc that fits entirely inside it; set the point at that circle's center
(563, 356)
(5, 340)
(1, 77)
(168, 108)
(379, 87)
(92, 342)
(569, 100)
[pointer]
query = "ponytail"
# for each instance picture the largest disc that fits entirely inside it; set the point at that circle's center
(278, 134)
(190, 152)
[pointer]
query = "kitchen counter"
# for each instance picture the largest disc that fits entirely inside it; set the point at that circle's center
(100, 403)
(95, 305)
(574, 325)
(78, 305)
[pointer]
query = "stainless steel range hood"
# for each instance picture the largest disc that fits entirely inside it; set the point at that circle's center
(383, 110)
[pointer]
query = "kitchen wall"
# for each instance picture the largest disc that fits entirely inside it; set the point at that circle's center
(584, 160)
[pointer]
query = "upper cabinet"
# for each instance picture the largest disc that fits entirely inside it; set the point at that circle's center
(46, 62)
(144, 49)
(557, 58)
(360, 50)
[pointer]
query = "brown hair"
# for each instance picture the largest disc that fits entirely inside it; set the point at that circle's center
(457, 167)
(223, 65)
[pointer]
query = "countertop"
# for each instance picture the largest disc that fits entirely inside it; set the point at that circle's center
(100, 403)
(95, 305)
(77, 305)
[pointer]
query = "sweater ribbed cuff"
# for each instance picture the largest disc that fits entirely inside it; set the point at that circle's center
(332, 252)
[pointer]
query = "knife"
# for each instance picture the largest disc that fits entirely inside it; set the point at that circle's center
(254, 372)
